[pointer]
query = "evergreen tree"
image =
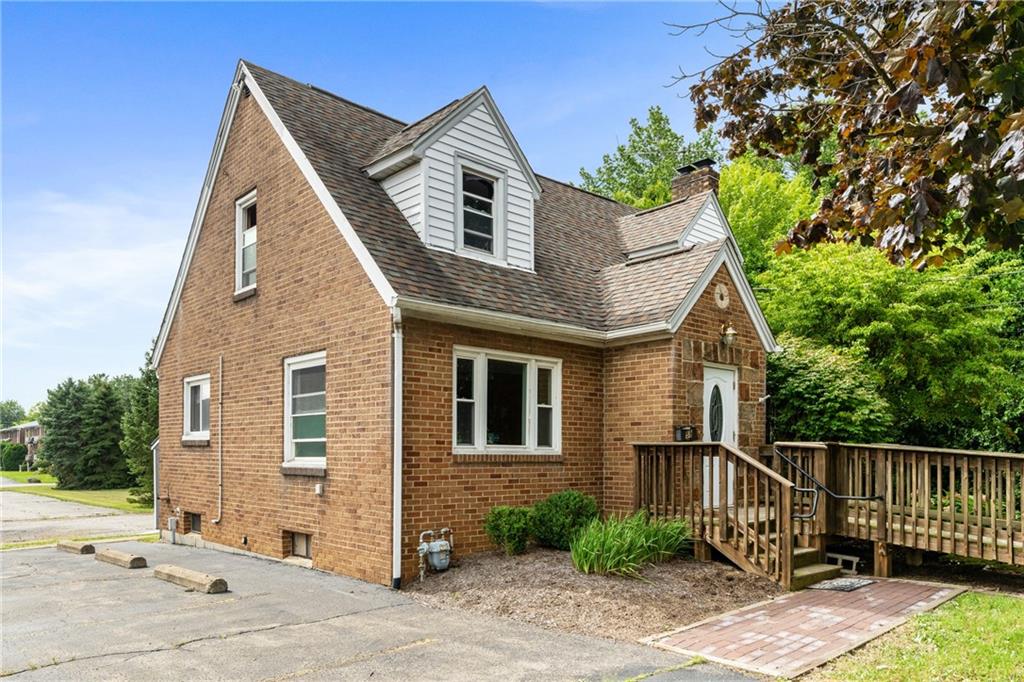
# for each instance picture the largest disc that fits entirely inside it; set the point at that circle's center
(61, 419)
(102, 464)
(140, 425)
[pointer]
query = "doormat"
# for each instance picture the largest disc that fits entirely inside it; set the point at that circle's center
(842, 584)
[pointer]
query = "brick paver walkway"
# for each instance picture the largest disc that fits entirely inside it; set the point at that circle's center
(789, 635)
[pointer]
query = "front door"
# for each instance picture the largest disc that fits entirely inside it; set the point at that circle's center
(721, 417)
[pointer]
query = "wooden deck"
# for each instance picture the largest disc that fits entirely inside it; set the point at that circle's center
(758, 511)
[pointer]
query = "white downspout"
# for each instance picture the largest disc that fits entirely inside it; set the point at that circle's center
(396, 444)
(220, 439)
(154, 447)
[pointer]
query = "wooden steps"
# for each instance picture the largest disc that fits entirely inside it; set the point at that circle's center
(806, 576)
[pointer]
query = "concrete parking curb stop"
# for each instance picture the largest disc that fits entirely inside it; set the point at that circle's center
(193, 580)
(122, 559)
(76, 547)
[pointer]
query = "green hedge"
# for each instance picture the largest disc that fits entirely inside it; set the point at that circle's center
(557, 519)
(509, 528)
(12, 455)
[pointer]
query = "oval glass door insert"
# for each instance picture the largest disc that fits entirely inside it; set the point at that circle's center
(715, 414)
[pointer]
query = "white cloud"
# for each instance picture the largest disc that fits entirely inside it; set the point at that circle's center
(85, 280)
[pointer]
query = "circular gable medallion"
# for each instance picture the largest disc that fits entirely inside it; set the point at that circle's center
(722, 296)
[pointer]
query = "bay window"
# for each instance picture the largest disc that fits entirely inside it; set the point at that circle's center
(305, 410)
(505, 402)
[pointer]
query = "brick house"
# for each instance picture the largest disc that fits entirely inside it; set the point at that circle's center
(29, 434)
(421, 327)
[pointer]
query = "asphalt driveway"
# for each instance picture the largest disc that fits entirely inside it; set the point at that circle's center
(71, 617)
(33, 517)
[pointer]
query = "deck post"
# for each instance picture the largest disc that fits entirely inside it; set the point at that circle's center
(701, 550)
(883, 560)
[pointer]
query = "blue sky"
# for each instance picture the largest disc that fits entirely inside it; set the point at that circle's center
(109, 112)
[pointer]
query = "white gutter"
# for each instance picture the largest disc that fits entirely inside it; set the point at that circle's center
(396, 444)
(154, 447)
(220, 439)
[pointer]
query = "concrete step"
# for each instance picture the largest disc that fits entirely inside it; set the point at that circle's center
(805, 556)
(815, 573)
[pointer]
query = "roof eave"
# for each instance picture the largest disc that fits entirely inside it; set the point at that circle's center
(392, 163)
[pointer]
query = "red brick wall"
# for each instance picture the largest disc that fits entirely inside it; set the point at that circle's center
(312, 295)
(442, 489)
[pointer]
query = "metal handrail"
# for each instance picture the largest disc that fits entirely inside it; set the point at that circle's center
(820, 487)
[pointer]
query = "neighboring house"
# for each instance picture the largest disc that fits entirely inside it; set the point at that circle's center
(379, 329)
(30, 434)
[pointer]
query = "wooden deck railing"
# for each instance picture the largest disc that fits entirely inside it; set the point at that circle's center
(737, 504)
(954, 501)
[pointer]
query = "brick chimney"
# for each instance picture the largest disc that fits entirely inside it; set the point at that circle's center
(699, 176)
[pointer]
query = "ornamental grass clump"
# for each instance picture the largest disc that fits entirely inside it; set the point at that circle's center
(623, 546)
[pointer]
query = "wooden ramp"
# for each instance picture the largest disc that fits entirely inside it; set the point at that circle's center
(773, 514)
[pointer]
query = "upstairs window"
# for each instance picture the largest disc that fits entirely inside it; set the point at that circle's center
(479, 212)
(506, 402)
(245, 242)
(197, 407)
(305, 405)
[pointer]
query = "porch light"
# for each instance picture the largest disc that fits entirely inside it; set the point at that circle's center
(728, 335)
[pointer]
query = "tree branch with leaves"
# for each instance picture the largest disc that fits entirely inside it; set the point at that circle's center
(925, 101)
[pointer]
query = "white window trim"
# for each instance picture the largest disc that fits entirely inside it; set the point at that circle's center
(291, 364)
(500, 180)
(533, 362)
(186, 384)
(240, 206)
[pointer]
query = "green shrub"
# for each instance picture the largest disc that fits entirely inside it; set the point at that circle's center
(558, 518)
(624, 546)
(12, 455)
(508, 527)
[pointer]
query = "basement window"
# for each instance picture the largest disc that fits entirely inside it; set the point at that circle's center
(302, 545)
(245, 242)
(506, 402)
(305, 407)
(197, 408)
(195, 523)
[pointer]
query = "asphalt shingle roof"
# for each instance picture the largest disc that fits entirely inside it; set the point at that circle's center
(660, 225)
(580, 276)
(413, 131)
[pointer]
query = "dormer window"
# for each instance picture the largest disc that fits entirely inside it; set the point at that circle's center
(477, 212)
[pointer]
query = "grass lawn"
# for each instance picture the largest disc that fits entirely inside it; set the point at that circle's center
(23, 476)
(974, 637)
(112, 499)
(149, 537)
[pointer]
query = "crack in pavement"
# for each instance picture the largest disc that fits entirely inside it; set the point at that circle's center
(135, 653)
(358, 658)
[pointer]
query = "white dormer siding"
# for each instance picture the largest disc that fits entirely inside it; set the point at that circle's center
(472, 139)
(476, 144)
(406, 189)
(708, 226)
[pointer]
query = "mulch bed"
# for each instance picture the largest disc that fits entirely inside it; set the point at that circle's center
(543, 588)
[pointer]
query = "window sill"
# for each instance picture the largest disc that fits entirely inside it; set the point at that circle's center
(187, 442)
(507, 457)
(295, 470)
(298, 561)
(243, 294)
